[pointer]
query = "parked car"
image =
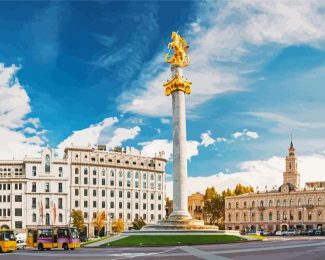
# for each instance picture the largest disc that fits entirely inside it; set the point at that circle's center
(290, 232)
(265, 233)
(254, 232)
(21, 244)
(311, 232)
(279, 233)
(318, 232)
(303, 232)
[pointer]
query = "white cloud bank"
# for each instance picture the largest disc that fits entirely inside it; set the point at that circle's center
(247, 134)
(258, 174)
(19, 135)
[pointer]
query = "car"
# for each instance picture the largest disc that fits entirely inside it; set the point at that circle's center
(311, 232)
(278, 233)
(318, 232)
(254, 232)
(21, 244)
(265, 233)
(303, 232)
(290, 232)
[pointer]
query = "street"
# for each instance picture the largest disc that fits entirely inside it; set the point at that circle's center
(273, 248)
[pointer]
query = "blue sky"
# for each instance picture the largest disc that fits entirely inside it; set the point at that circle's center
(92, 72)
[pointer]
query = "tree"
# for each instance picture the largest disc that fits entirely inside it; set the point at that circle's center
(169, 207)
(99, 220)
(241, 189)
(118, 226)
(210, 208)
(138, 223)
(78, 219)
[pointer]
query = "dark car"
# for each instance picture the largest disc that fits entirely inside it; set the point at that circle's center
(303, 232)
(318, 232)
(311, 232)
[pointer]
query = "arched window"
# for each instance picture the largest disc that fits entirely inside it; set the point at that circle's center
(284, 215)
(112, 173)
(94, 172)
(129, 174)
(34, 217)
(291, 202)
(253, 204)
(261, 216)
(319, 201)
(137, 175)
(47, 164)
(299, 202)
(270, 216)
(229, 205)
(309, 201)
(319, 214)
(76, 171)
(309, 215)
(85, 171)
(284, 203)
(237, 205)
(261, 203)
(271, 203)
(229, 217)
(47, 219)
(60, 217)
(237, 216)
(299, 215)
(291, 215)
(278, 216)
(245, 204)
(278, 203)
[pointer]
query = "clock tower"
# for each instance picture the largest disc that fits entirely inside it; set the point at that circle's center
(291, 174)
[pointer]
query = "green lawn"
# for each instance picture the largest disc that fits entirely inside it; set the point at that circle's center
(93, 240)
(171, 240)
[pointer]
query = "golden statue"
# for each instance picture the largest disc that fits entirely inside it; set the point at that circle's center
(180, 57)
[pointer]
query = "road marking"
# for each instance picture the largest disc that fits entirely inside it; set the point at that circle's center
(202, 254)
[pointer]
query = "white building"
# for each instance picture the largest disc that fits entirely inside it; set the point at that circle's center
(44, 190)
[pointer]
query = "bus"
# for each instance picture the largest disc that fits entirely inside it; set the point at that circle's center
(7, 240)
(48, 237)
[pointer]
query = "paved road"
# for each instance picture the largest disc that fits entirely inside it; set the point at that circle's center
(274, 248)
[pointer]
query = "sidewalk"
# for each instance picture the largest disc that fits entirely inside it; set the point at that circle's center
(105, 241)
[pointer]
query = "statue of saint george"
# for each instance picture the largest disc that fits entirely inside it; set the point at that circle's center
(179, 45)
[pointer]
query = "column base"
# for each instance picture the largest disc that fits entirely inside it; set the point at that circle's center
(180, 215)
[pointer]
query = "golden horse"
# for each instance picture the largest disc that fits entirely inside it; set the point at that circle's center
(179, 45)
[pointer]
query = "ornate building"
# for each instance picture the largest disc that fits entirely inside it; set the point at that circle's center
(289, 207)
(125, 184)
(195, 205)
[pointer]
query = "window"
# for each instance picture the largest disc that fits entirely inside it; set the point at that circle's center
(85, 192)
(144, 185)
(94, 204)
(144, 217)
(237, 205)
(291, 215)
(229, 217)
(253, 204)
(128, 216)
(94, 193)
(103, 193)
(76, 192)
(136, 195)
(18, 198)
(60, 188)
(299, 215)
(47, 203)
(136, 184)
(284, 203)
(47, 219)
(34, 217)
(128, 195)
(128, 205)
(152, 206)
(18, 224)
(33, 203)
(60, 171)
(94, 172)
(76, 180)
(136, 205)
(85, 171)
(76, 203)
(129, 175)
(120, 204)
(270, 203)
(159, 177)
(112, 205)
(152, 196)
(85, 180)
(278, 216)
(18, 212)
(152, 177)
(120, 184)
(60, 217)
(128, 183)
(278, 203)
(299, 202)
(159, 206)
(319, 201)
(120, 174)
(144, 196)
(245, 204)
(319, 214)
(284, 215)
(152, 185)
(76, 171)
(261, 203)
(137, 175)
(112, 173)
(103, 204)
(120, 194)
(47, 164)
(85, 215)
(112, 183)
(85, 204)
(103, 181)
(144, 206)
(309, 215)
(112, 194)
(47, 187)
(60, 203)
(94, 181)
(291, 203)
(261, 216)
(34, 171)
(34, 187)
(309, 201)
(270, 216)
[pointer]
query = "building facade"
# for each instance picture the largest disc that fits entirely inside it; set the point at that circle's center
(195, 205)
(289, 207)
(43, 191)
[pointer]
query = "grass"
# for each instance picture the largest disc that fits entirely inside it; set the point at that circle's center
(93, 240)
(171, 240)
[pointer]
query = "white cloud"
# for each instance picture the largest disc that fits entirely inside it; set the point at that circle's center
(122, 134)
(258, 174)
(152, 148)
(233, 32)
(207, 139)
(221, 139)
(246, 133)
(165, 121)
(14, 110)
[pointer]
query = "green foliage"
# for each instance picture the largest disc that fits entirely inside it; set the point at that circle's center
(78, 219)
(138, 223)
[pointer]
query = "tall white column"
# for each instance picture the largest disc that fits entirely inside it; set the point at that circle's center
(180, 209)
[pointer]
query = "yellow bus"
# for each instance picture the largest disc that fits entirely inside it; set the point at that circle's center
(7, 240)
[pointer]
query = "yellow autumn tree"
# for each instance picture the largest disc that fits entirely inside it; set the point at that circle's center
(78, 219)
(99, 220)
(118, 226)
